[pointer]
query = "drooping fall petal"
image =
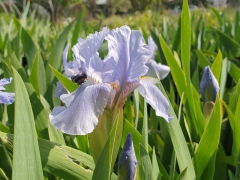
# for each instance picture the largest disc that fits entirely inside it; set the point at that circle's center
(155, 98)
(81, 114)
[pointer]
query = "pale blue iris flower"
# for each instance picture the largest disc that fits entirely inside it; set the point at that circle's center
(108, 81)
(127, 160)
(158, 68)
(6, 98)
(209, 86)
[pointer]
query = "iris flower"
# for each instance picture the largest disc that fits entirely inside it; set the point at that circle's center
(127, 160)
(158, 68)
(6, 98)
(109, 81)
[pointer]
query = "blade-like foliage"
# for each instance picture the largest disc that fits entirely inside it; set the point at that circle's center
(26, 161)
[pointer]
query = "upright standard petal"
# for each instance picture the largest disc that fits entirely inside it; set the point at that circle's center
(209, 86)
(127, 160)
(71, 68)
(152, 47)
(129, 54)
(85, 49)
(155, 98)
(95, 69)
(81, 115)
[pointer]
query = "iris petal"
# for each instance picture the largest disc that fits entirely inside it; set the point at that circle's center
(95, 68)
(85, 49)
(7, 98)
(71, 68)
(68, 98)
(152, 47)
(60, 90)
(4, 82)
(160, 69)
(129, 52)
(155, 98)
(81, 115)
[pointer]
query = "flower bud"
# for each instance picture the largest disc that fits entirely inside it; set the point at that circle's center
(209, 88)
(127, 161)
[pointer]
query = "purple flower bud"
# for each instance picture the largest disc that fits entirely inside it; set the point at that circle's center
(127, 160)
(209, 86)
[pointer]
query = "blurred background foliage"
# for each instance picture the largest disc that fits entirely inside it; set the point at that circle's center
(56, 9)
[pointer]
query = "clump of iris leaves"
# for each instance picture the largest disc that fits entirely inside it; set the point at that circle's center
(200, 142)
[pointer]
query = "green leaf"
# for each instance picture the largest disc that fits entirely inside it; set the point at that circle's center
(208, 144)
(77, 29)
(237, 26)
(3, 175)
(219, 18)
(6, 161)
(185, 38)
(17, 45)
(55, 60)
(172, 166)
(29, 46)
(223, 79)
(136, 137)
(144, 165)
(176, 71)
(209, 171)
(41, 75)
(67, 83)
(155, 168)
(177, 38)
(163, 172)
(234, 71)
(179, 142)
(60, 160)
(40, 109)
(26, 161)
(182, 175)
(202, 60)
(33, 78)
(185, 58)
(217, 66)
(237, 129)
(127, 112)
(109, 153)
(136, 107)
(230, 45)
(55, 135)
(145, 129)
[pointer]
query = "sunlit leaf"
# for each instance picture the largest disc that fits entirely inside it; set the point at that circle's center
(26, 161)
